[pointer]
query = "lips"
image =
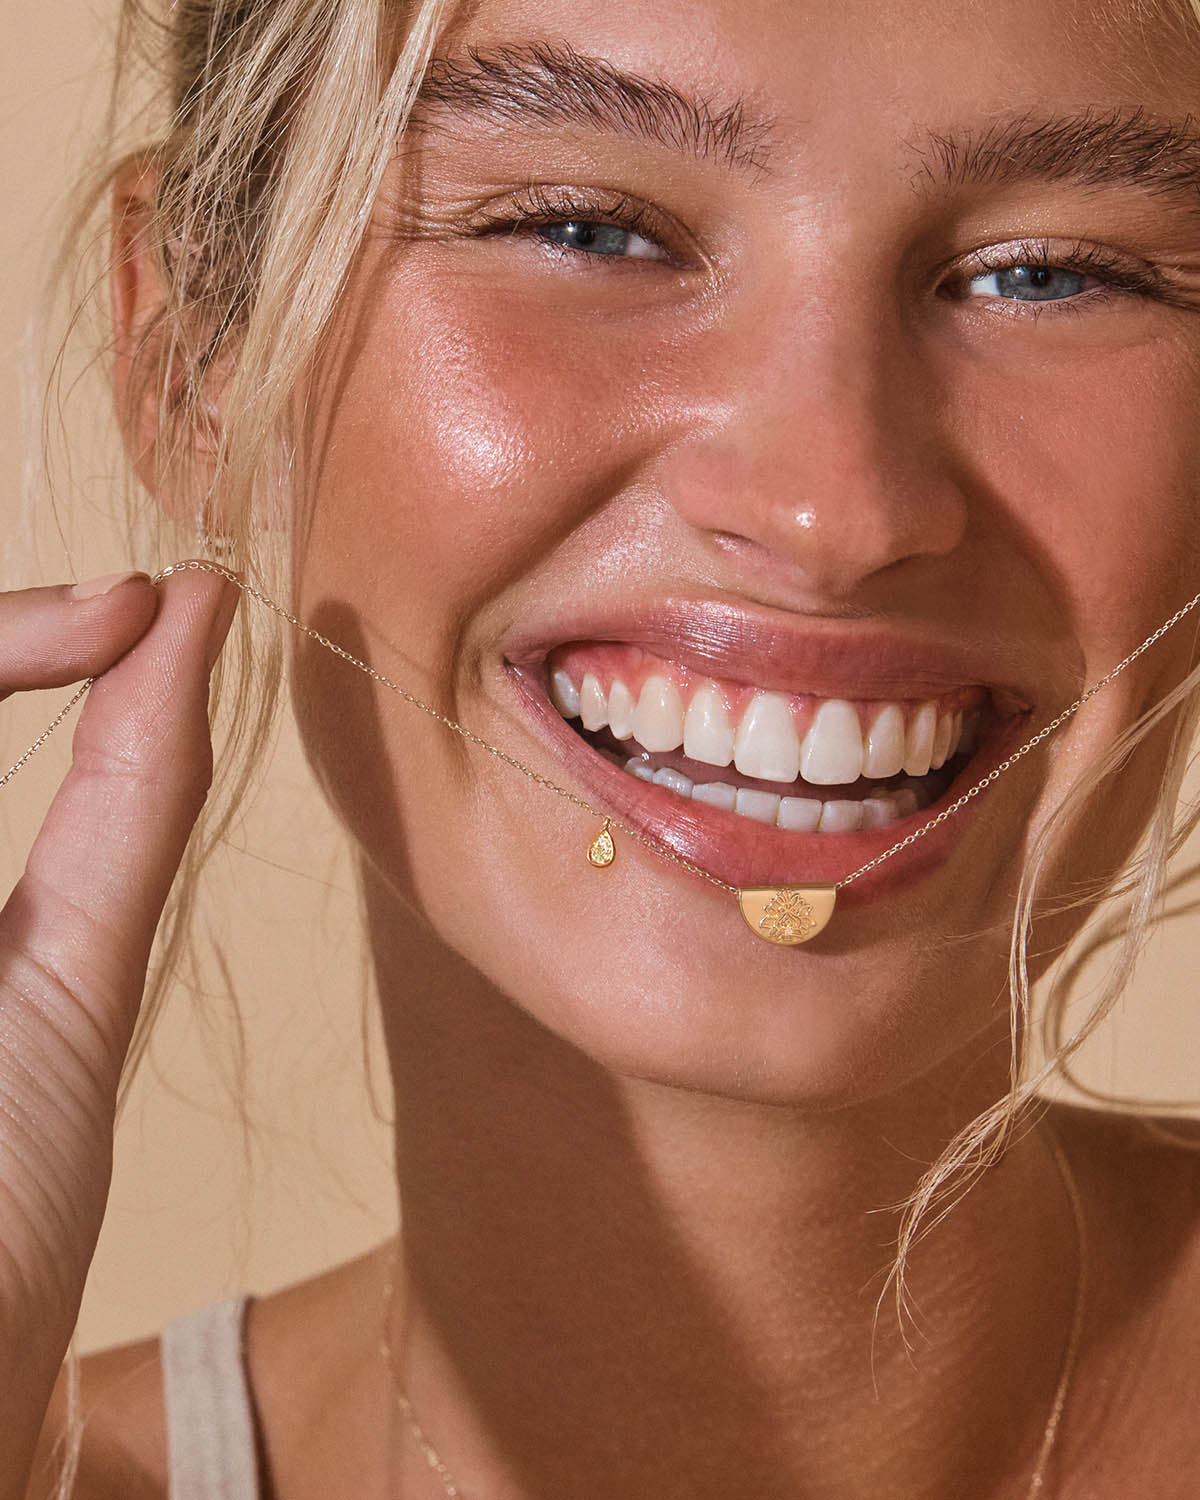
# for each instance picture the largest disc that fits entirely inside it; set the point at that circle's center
(825, 761)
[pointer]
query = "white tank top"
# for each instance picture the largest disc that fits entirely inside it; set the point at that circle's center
(211, 1441)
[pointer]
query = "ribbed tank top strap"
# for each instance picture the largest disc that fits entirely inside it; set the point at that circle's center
(211, 1446)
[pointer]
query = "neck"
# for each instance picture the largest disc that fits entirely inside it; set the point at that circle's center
(617, 1287)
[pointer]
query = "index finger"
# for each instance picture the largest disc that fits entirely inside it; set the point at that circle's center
(51, 637)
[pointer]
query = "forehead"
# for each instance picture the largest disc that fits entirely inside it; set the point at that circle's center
(826, 74)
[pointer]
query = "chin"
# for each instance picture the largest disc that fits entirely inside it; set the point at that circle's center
(649, 975)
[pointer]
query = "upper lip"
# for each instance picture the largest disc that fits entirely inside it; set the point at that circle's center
(785, 652)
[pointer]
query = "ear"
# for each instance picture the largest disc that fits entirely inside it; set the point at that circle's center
(143, 386)
(138, 298)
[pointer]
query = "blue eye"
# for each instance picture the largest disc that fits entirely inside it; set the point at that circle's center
(1030, 284)
(597, 238)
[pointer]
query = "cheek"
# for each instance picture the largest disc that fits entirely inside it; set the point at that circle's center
(469, 438)
(1096, 462)
(1098, 465)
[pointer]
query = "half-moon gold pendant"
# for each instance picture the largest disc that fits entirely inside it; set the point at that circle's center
(787, 914)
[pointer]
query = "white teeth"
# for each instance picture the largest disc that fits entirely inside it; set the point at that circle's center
(840, 817)
(943, 741)
(766, 745)
(799, 814)
(620, 710)
(763, 807)
(918, 752)
(833, 747)
(716, 794)
(593, 705)
(835, 751)
(884, 754)
(658, 717)
(878, 812)
(564, 694)
(707, 732)
(792, 814)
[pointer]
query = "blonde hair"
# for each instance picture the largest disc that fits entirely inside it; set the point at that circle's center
(283, 116)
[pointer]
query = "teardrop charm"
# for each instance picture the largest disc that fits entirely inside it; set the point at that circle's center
(787, 914)
(603, 851)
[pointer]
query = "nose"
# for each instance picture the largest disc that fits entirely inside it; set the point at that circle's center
(823, 459)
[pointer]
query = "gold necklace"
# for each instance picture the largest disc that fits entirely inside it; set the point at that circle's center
(786, 915)
(1057, 1405)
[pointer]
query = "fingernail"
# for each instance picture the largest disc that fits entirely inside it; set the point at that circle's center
(94, 587)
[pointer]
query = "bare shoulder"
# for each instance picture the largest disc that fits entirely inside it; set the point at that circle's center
(312, 1353)
(319, 1379)
(123, 1444)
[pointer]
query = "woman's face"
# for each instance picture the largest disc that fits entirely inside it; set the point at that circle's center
(816, 383)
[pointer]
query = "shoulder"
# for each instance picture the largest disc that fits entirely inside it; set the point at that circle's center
(321, 1391)
(316, 1388)
(123, 1439)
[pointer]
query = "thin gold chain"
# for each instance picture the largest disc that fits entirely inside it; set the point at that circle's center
(1075, 1333)
(403, 1405)
(432, 1457)
(1043, 733)
(80, 693)
(1058, 1403)
(203, 565)
(633, 833)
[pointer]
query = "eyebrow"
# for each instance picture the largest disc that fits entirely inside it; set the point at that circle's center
(557, 85)
(1090, 149)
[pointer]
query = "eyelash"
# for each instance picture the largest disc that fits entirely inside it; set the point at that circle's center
(1118, 277)
(539, 207)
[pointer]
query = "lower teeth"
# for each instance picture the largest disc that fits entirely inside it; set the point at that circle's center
(797, 814)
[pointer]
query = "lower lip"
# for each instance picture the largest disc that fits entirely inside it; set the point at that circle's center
(742, 852)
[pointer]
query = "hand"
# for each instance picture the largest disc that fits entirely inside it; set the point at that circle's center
(75, 937)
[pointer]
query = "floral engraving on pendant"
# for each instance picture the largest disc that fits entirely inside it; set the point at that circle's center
(603, 851)
(788, 918)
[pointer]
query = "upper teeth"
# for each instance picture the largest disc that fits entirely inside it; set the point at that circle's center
(837, 745)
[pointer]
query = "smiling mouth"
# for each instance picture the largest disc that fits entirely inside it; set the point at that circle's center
(799, 763)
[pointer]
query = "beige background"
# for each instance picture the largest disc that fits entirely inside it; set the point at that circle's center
(204, 1201)
(223, 1184)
